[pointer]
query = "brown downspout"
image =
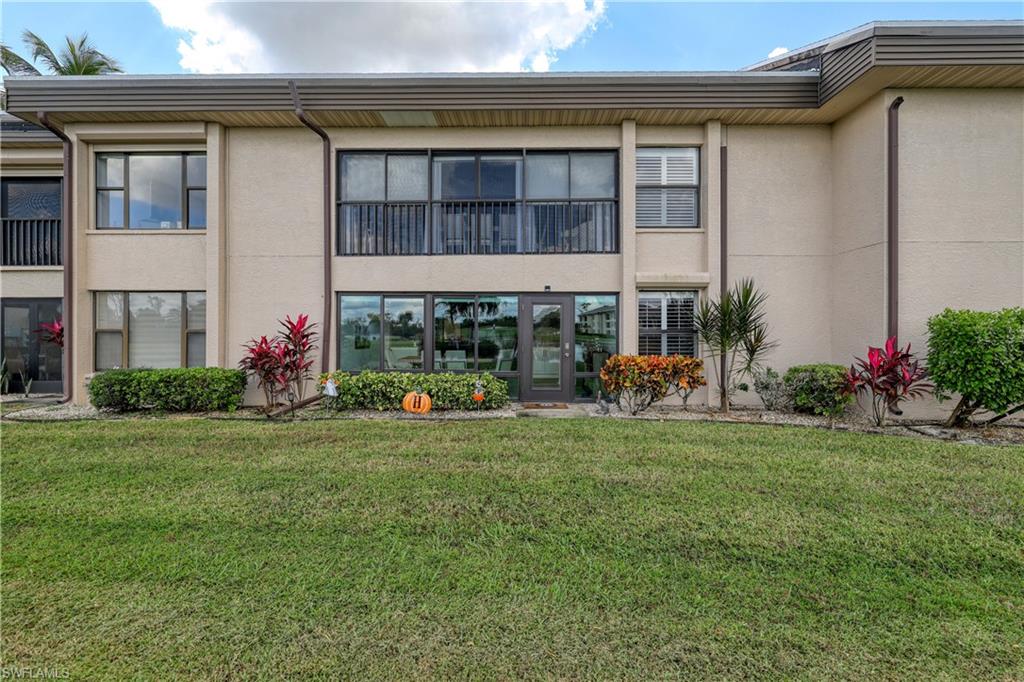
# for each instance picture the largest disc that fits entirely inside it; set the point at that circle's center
(66, 259)
(325, 353)
(723, 257)
(892, 282)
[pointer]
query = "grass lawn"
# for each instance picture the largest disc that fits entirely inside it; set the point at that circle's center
(507, 549)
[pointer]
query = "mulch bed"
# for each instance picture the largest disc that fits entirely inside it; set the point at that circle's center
(1009, 433)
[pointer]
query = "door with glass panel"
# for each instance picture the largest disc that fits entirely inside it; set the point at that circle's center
(27, 355)
(545, 325)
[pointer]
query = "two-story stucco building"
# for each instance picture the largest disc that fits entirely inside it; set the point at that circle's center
(523, 224)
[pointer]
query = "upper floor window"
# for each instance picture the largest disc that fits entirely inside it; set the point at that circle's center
(383, 203)
(404, 203)
(30, 213)
(667, 187)
(165, 191)
(30, 198)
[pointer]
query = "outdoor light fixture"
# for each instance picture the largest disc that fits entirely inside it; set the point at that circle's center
(547, 288)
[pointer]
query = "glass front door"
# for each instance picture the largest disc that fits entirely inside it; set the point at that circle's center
(546, 326)
(27, 357)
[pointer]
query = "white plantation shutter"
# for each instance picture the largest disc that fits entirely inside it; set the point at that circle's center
(650, 168)
(666, 323)
(668, 179)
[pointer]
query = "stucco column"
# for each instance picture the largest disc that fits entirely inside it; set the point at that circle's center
(711, 200)
(216, 243)
(82, 319)
(629, 335)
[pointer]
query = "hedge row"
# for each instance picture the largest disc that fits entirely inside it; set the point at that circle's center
(194, 389)
(385, 390)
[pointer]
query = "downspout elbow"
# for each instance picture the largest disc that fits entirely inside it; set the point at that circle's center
(67, 312)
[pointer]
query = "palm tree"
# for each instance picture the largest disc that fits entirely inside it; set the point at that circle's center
(76, 58)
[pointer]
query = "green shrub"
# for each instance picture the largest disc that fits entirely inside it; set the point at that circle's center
(194, 389)
(770, 388)
(979, 355)
(385, 390)
(818, 389)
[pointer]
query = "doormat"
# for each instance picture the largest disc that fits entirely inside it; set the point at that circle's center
(545, 406)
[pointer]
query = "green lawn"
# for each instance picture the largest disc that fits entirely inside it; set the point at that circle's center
(507, 549)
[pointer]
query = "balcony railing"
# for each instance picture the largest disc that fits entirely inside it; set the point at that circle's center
(35, 241)
(478, 227)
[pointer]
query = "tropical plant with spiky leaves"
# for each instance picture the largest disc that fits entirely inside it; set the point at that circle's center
(299, 340)
(889, 376)
(77, 57)
(733, 327)
(264, 359)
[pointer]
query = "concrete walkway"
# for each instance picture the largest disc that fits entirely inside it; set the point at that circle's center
(553, 410)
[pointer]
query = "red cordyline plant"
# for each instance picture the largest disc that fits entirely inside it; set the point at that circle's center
(263, 359)
(890, 375)
(282, 364)
(52, 332)
(299, 341)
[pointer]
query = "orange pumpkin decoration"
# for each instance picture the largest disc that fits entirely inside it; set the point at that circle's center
(416, 402)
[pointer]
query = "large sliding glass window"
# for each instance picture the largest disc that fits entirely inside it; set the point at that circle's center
(360, 332)
(381, 332)
(477, 203)
(571, 202)
(596, 339)
(453, 333)
(476, 333)
(152, 329)
(666, 323)
(403, 333)
(498, 334)
(382, 206)
(151, 191)
(406, 203)
(473, 333)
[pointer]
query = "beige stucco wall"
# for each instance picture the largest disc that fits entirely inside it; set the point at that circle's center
(274, 228)
(32, 282)
(961, 206)
(961, 203)
(857, 314)
(171, 260)
(780, 187)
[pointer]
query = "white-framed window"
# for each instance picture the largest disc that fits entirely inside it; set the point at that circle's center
(666, 322)
(667, 187)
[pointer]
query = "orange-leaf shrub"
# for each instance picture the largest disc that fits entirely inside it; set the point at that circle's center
(639, 381)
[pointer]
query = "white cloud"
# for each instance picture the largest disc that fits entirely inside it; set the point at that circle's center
(254, 37)
(778, 52)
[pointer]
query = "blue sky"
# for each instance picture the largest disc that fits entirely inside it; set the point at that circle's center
(173, 36)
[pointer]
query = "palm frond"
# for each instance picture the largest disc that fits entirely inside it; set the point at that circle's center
(77, 56)
(40, 50)
(14, 64)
